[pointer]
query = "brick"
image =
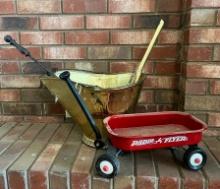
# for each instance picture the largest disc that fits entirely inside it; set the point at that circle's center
(93, 66)
(203, 116)
(212, 143)
(6, 118)
(14, 35)
(167, 68)
(204, 35)
(212, 131)
(80, 172)
(59, 172)
(44, 119)
(170, 37)
(218, 18)
(212, 171)
(85, 6)
(64, 22)
(197, 70)
(194, 53)
(9, 95)
(146, 175)
(14, 134)
(38, 7)
(206, 17)
(17, 173)
(120, 67)
(87, 37)
(125, 178)
(215, 87)
(204, 3)
(10, 53)
(15, 180)
(16, 81)
(169, 174)
(7, 7)
(65, 52)
(152, 21)
(53, 109)
(160, 82)
(168, 97)
(36, 95)
(214, 119)
(196, 87)
(216, 55)
(33, 68)
(186, 19)
(101, 183)
(131, 37)
(38, 38)
(16, 149)
(202, 103)
(6, 127)
(131, 6)
(148, 68)
(169, 5)
(146, 97)
(159, 53)
(18, 23)
(38, 173)
(108, 21)
(109, 52)
(10, 67)
(22, 108)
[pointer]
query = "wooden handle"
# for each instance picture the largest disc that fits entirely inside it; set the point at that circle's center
(149, 48)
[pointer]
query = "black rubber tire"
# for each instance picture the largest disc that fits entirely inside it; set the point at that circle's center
(190, 152)
(112, 160)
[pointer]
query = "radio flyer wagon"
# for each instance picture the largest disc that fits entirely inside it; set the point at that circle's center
(145, 131)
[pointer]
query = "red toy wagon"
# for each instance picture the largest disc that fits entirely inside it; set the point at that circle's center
(144, 131)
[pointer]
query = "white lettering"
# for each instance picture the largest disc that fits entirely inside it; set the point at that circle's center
(161, 140)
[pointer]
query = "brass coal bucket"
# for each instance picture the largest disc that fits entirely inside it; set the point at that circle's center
(104, 94)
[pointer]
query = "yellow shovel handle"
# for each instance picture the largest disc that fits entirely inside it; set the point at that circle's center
(149, 48)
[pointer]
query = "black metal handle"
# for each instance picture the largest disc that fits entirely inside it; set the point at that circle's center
(66, 77)
(10, 40)
(27, 53)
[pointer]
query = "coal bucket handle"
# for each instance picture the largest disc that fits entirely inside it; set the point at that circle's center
(24, 51)
(98, 142)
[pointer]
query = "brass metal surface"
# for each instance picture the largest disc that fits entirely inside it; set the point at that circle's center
(112, 98)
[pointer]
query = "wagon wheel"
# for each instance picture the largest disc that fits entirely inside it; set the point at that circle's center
(194, 158)
(107, 165)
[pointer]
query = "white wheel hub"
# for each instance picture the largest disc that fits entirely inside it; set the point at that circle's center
(106, 167)
(196, 159)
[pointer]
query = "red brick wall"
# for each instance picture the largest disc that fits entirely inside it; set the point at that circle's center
(200, 64)
(111, 36)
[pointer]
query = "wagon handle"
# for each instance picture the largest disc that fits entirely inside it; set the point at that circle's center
(24, 51)
(66, 77)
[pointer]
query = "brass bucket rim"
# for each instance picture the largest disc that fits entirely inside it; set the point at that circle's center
(99, 89)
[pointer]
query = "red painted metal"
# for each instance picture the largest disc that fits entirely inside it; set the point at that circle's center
(185, 129)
